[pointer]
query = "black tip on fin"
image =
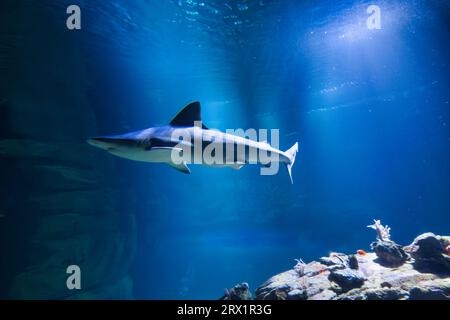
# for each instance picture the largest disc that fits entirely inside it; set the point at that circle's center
(187, 116)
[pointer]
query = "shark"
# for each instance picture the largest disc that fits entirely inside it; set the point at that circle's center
(179, 143)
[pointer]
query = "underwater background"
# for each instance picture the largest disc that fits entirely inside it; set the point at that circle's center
(370, 109)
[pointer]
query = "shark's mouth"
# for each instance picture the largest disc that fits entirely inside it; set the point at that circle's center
(106, 143)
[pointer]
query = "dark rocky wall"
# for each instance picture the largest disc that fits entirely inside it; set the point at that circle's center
(57, 205)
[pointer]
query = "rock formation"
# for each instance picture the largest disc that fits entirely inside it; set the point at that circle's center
(240, 291)
(392, 272)
(58, 207)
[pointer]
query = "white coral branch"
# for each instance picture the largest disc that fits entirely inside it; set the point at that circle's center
(300, 267)
(383, 232)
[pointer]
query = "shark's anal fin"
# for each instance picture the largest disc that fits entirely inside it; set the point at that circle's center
(236, 166)
(182, 167)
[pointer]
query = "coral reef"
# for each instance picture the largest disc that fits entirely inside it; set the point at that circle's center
(300, 267)
(388, 252)
(392, 272)
(383, 232)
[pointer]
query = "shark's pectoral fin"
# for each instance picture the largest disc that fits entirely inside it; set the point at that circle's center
(182, 167)
(170, 156)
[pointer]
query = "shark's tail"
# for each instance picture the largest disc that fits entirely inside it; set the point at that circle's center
(291, 155)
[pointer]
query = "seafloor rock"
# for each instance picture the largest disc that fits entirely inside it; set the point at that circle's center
(340, 277)
(289, 285)
(240, 291)
(340, 259)
(347, 279)
(430, 252)
(374, 294)
(324, 295)
(389, 253)
(438, 289)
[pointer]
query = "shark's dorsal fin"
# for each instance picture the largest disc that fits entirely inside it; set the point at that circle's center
(188, 116)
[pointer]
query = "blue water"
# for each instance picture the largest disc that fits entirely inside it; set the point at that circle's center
(369, 108)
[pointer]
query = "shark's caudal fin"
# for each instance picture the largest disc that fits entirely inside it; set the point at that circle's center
(291, 155)
(188, 116)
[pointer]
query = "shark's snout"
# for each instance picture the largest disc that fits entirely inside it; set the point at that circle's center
(100, 142)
